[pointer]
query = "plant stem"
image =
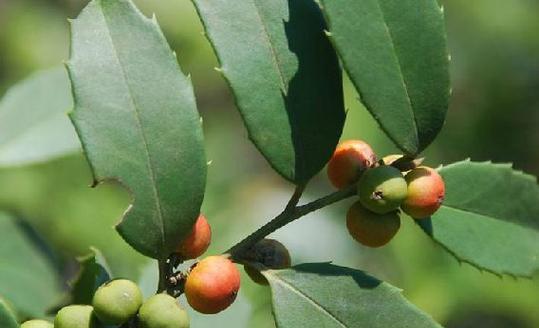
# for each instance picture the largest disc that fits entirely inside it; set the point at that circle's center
(163, 274)
(289, 214)
(295, 198)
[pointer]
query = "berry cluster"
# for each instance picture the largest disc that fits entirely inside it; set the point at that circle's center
(115, 303)
(211, 285)
(383, 189)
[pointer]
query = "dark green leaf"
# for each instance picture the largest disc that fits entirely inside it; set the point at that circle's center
(34, 126)
(490, 217)
(28, 278)
(136, 115)
(285, 77)
(396, 55)
(326, 295)
(7, 317)
(93, 273)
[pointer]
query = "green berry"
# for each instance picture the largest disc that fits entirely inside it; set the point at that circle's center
(117, 301)
(76, 316)
(382, 189)
(162, 311)
(37, 324)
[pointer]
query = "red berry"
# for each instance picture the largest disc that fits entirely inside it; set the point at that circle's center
(426, 191)
(350, 159)
(212, 285)
(197, 242)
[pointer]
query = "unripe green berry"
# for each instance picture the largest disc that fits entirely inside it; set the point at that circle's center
(76, 316)
(116, 301)
(36, 323)
(382, 189)
(163, 311)
(371, 229)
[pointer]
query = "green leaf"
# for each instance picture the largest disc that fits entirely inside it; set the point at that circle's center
(285, 76)
(94, 272)
(489, 218)
(34, 126)
(7, 317)
(396, 55)
(28, 278)
(326, 295)
(136, 116)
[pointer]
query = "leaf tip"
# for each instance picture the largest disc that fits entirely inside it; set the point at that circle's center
(209, 162)
(328, 33)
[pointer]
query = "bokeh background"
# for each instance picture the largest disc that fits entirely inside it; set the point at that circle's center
(494, 115)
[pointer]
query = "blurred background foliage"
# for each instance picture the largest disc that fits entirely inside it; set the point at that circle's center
(494, 115)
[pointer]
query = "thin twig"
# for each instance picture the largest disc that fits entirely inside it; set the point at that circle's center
(288, 215)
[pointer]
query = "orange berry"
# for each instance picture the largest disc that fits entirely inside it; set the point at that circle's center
(369, 228)
(426, 192)
(197, 242)
(212, 285)
(350, 159)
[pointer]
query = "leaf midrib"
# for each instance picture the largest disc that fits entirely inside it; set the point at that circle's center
(401, 75)
(287, 285)
(487, 216)
(149, 161)
(274, 57)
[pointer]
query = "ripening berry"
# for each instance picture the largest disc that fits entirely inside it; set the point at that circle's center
(212, 285)
(371, 229)
(350, 159)
(382, 189)
(76, 316)
(197, 242)
(271, 254)
(37, 324)
(116, 301)
(426, 191)
(162, 311)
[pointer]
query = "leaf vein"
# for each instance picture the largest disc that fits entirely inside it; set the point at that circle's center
(317, 305)
(274, 57)
(402, 78)
(149, 161)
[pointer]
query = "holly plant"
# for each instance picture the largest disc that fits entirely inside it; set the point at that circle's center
(135, 115)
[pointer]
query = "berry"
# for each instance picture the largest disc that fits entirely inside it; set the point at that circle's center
(426, 191)
(197, 242)
(350, 159)
(162, 311)
(37, 324)
(382, 189)
(212, 285)
(371, 229)
(271, 254)
(116, 301)
(76, 316)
